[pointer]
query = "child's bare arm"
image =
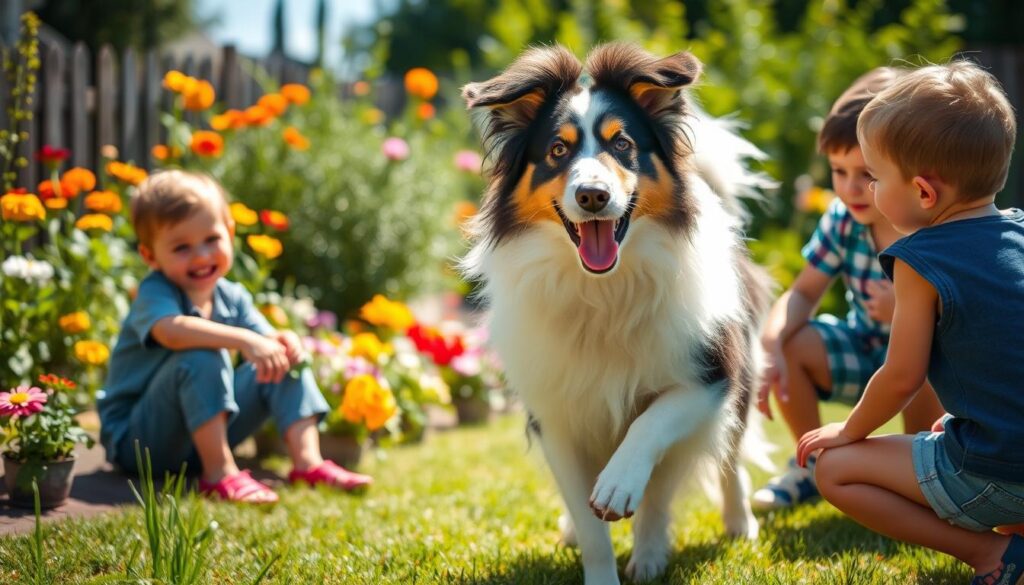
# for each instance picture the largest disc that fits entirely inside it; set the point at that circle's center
(182, 332)
(906, 366)
(787, 316)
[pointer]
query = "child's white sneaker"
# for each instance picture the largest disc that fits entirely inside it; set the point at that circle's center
(795, 486)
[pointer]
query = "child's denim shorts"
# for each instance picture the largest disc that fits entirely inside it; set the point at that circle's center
(961, 497)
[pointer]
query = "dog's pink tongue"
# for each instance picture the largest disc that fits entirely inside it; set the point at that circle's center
(598, 248)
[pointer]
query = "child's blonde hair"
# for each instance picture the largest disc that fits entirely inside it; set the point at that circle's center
(168, 197)
(950, 121)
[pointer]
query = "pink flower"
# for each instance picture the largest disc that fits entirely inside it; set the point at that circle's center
(395, 148)
(22, 401)
(468, 161)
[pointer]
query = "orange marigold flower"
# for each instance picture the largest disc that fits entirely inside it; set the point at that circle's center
(199, 95)
(229, 120)
(463, 211)
(265, 246)
(242, 214)
(95, 221)
(56, 382)
(258, 116)
(368, 401)
(274, 219)
(76, 322)
(56, 203)
(295, 93)
(163, 152)
(174, 80)
(275, 315)
(126, 173)
(49, 190)
(207, 143)
(361, 88)
(382, 312)
(295, 139)
(77, 180)
(368, 346)
(275, 102)
(421, 82)
(93, 353)
(22, 207)
(425, 111)
(103, 202)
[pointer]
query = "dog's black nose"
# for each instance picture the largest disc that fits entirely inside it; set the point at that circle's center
(592, 199)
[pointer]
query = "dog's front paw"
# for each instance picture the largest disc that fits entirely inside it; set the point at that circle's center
(741, 525)
(568, 531)
(646, 565)
(619, 488)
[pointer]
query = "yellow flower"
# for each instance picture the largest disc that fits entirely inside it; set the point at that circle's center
(366, 400)
(275, 315)
(421, 82)
(76, 322)
(386, 313)
(93, 353)
(295, 139)
(174, 81)
(368, 346)
(126, 173)
(22, 207)
(372, 116)
(243, 215)
(103, 202)
(265, 246)
(199, 95)
(56, 203)
(295, 93)
(95, 221)
(229, 120)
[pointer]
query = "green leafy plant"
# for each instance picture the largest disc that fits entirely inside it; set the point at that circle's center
(38, 425)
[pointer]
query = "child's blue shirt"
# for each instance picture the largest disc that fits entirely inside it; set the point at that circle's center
(977, 357)
(842, 246)
(137, 356)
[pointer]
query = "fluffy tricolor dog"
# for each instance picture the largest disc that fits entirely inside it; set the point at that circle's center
(622, 300)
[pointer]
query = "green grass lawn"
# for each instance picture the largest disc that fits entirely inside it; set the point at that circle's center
(475, 506)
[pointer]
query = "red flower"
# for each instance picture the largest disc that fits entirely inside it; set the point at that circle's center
(52, 157)
(274, 219)
(432, 342)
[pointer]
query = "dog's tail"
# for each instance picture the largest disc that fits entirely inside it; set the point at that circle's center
(721, 156)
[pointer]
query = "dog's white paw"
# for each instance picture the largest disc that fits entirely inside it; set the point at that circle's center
(743, 525)
(647, 564)
(568, 531)
(620, 487)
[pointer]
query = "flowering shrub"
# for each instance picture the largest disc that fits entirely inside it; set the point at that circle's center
(39, 425)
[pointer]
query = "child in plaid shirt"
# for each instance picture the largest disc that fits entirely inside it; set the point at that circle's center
(825, 357)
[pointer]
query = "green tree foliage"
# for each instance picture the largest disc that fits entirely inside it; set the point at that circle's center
(141, 24)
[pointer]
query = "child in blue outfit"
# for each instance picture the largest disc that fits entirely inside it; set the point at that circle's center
(938, 144)
(172, 386)
(826, 358)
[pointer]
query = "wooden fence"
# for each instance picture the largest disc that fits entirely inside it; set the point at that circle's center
(84, 102)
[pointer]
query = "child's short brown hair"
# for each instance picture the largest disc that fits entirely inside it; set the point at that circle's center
(168, 197)
(839, 131)
(950, 121)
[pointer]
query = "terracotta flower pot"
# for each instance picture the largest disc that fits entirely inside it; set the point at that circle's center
(345, 450)
(471, 410)
(54, 479)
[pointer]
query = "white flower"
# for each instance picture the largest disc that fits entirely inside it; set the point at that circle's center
(28, 269)
(435, 387)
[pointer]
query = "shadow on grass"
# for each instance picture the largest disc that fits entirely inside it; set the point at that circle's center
(564, 567)
(821, 537)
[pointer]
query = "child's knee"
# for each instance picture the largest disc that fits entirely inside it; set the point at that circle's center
(826, 470)
(190, 361)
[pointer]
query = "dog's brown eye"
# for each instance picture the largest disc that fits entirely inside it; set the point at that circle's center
(622, 144)
(559, 150)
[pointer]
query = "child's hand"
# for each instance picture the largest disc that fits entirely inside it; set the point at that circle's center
(774, 375)
(827, 437)
(269, 357)
(292, 346)
(883, 300)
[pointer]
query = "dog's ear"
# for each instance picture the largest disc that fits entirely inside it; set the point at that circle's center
(653, 83)
(513, 98)
(657, 90)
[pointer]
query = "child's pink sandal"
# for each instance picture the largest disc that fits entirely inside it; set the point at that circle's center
(240, 487)
(331, 474)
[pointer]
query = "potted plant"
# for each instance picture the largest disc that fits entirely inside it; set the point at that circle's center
(38, 434)
(461, 363)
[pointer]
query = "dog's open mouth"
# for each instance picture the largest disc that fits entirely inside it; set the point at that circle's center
(597, 241)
